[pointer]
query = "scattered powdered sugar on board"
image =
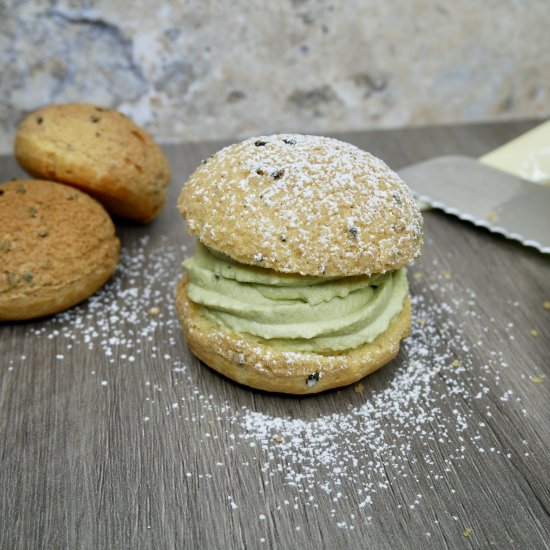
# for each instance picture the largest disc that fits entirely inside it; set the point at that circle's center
(371, 444)
(381, 433)
(112, 319)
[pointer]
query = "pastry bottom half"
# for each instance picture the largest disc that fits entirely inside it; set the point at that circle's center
(252, 362)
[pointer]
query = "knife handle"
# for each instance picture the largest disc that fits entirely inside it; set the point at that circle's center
(527, 156)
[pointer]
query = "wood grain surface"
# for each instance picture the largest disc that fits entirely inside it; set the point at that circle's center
(113, 436)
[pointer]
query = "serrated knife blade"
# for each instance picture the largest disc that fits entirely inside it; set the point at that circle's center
(484, 196)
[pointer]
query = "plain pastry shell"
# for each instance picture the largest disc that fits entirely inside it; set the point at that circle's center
(57, 247)
(98, 150)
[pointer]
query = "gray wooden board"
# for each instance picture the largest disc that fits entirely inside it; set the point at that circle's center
(147, 448)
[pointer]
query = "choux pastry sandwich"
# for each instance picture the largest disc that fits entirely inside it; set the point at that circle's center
(297, 284)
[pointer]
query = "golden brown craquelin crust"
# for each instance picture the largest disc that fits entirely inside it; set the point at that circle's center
(303, 204)
(243, 359)
(97, 150)
(57, 247)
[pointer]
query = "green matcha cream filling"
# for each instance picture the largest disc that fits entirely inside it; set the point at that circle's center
(293, 312)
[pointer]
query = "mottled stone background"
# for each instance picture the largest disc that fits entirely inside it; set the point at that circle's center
(201, 69)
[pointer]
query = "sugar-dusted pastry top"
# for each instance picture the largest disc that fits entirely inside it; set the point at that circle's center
(303, 204)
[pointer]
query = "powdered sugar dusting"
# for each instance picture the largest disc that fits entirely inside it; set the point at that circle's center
(390, 430)
(303, 204)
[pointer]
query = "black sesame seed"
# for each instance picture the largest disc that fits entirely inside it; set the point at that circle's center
(1, 192)
(283, 238)
(39, 120)
(95, 119)
(260, 143)
(312, 379)
(353, 232)
(217, 277)
(260, 172)
(277, 174)
(397, 198)
(290, 141)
